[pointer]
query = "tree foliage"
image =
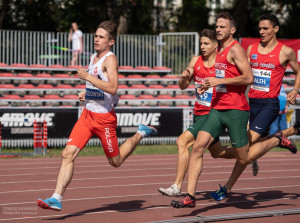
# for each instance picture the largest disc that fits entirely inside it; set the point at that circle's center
(142, 17)
(57, 15)
(193, 16)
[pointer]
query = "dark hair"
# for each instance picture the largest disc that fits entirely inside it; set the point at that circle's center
(110, 27)
(272, 18)
(209, 33)
(228, 16)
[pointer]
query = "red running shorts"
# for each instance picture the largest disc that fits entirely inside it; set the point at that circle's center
(103, 125)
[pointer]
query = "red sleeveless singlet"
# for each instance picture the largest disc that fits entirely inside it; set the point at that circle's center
(228, 96)
(267, 71)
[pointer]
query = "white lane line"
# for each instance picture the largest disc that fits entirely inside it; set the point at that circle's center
(113, 170)
(144, 184)
(144, 160)
(83, 161)
(97, 171)
(101, 160)
(100, 166)
(153, 194)
(139, 209)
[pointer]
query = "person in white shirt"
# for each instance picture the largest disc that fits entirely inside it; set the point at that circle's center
(77, 42)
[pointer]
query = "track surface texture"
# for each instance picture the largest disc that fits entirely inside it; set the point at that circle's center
(101, 193)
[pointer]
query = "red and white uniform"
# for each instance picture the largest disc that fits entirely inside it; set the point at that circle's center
(203, 102)
(95, 99)
(267, 71)
(228, 96)
(98, 117)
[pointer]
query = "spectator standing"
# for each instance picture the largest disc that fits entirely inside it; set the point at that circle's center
(77, 43)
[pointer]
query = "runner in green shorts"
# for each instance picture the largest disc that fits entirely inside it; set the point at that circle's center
(229, 110)
(232, 75)
(234, 120)
(199, 68)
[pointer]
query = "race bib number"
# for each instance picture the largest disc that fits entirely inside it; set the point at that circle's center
(205, 98)
(222, 87)
(93, 93)
(261, 80)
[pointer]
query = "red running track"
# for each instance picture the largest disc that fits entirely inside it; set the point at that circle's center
(101, 193)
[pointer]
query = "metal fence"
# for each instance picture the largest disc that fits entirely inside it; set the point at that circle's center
(177, 49)
(173, 50)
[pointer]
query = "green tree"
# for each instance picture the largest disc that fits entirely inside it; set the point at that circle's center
(248, 12)
(140, 20)
(30, 15)
(87, 14)
(193, 16)
(290, 29)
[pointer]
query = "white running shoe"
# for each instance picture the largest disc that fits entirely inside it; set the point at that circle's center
(254, 166)
(171, 191)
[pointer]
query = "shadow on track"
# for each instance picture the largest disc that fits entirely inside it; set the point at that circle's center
(244, 201)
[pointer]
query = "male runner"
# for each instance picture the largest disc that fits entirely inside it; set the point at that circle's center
(199, 68)
(229, 107)
(268, 59)
(98, 117)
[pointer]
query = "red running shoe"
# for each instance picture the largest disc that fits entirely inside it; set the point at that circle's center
(285, 143)
(187, 202)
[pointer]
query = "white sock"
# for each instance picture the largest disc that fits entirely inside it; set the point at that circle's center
(57, 197)
(143, 133)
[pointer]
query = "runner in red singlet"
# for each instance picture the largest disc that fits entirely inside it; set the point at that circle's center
(229, 107)
(268, 60)
(199, 68)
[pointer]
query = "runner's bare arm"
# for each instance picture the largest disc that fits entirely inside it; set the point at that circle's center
(187, 75)
(248, 52)
(238, 57)
(110, 67)
(292, 61)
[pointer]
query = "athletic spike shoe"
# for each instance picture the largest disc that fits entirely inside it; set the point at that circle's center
(254, 166)
(220, 194)
(297, 126)
(171, 191)
(49, 203)
(285, 143)
(187, 202)
(147, 130)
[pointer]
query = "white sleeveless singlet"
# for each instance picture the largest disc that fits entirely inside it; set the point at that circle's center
(97, 100)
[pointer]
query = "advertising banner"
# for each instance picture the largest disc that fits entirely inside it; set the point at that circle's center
(169, 122)
(18, 123)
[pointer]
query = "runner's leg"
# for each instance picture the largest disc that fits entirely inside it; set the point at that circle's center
(65, 173)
